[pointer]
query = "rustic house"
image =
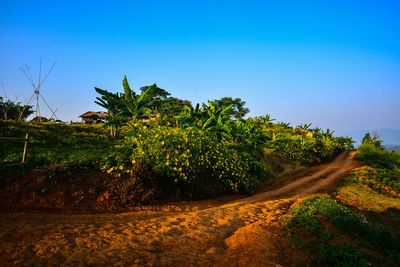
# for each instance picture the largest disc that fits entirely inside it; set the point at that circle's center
(93, 117)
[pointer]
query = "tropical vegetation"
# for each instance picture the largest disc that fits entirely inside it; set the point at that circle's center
(193, 151)
(13, 110)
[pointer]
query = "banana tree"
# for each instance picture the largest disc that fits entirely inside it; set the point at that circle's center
(114, 105)
(137, 104)
(266, 119)
(216, 116)
(284, 124)
(328, 134)
(190, 116)
(304, 126)
(217, 120)
(120, 107)
(316, 131)
(248, 136)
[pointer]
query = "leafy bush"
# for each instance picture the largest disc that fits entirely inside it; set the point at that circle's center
(10, 110)
(343, 256)
(303, 149)
(378, 158)
(193, 159)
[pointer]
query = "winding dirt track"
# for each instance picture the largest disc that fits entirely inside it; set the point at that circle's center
(203, 237)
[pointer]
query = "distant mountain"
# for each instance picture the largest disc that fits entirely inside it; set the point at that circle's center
(393, 148)
(388, 136)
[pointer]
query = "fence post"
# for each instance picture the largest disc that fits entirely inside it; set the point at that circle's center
(25, 148)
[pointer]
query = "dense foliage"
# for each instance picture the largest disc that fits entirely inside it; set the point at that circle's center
(378, 158)
(211, 146)
(191, 158)
(368, 140)
(10, 110)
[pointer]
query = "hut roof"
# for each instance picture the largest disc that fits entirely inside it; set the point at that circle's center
(39, 119)
(101, 115)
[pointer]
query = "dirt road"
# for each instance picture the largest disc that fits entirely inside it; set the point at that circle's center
(225, 235)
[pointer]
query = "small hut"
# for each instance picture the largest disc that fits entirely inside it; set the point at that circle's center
(39, 119)
(93, 117)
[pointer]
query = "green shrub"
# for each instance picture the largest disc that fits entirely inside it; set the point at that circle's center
(191, 159)
(378, 158)
(343, 256)
(305, 150)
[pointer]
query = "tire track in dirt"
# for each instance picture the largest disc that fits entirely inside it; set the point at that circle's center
(148, 238)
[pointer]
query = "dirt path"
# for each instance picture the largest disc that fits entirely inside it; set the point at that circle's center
(208, 237)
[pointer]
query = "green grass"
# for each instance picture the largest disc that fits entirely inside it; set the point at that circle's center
(380, 208)
(309, 217)
(51, 144)
(383, 173)
(377, 158)
(356, 195)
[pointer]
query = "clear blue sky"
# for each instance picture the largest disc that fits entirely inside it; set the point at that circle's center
(333, 63)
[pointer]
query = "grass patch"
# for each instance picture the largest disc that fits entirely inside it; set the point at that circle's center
(364, 199)
(311, 224)
(52, 144)
(381, 159)
(380, 208)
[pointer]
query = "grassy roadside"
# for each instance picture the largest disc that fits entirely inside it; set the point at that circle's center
(340, 235)
(356, 225)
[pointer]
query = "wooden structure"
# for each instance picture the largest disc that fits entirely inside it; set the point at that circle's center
(36, 93)
(93, 117)
(25, 145)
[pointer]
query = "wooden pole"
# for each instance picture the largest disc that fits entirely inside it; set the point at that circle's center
(25, 148)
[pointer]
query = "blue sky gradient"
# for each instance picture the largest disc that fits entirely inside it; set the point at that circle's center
(333, 63)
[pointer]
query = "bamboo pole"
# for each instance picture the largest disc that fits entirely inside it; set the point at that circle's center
(25, 148)
(12, 138)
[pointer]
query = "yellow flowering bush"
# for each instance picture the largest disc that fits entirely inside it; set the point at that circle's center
(191, 158)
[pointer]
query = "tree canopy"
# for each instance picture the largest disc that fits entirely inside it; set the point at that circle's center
(159, 93)
(238, 109)
(367, 139)
(12, 110)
